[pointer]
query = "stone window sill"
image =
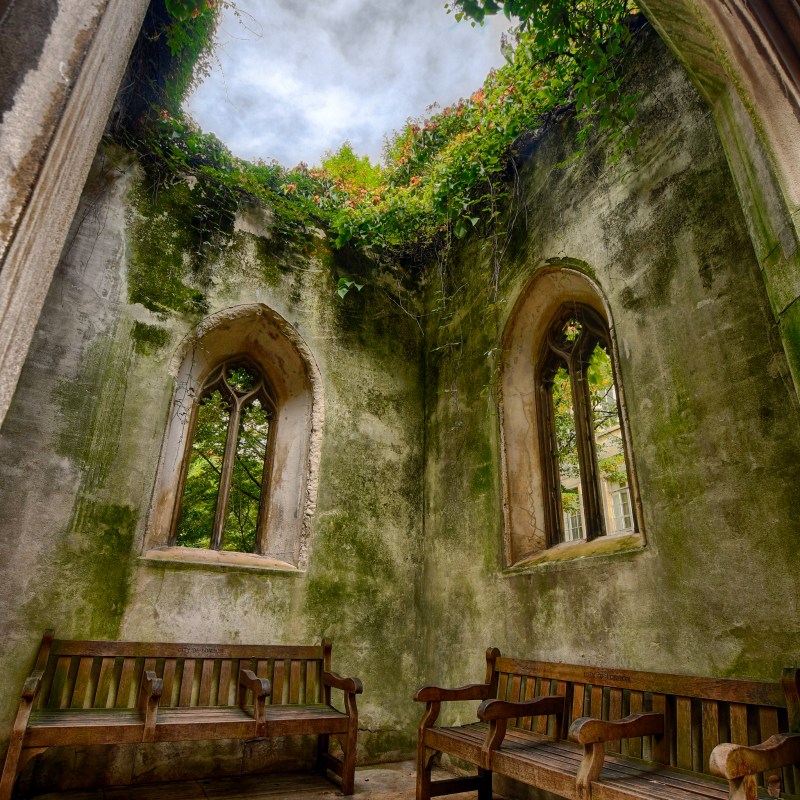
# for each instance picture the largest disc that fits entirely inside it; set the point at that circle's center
(217, 558)
(569, 552)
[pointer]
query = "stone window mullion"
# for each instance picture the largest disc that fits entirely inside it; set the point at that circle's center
(228, 461)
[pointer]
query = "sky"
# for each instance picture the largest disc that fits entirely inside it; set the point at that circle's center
(297, 78)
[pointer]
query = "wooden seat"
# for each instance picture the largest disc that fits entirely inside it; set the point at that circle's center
(591, 733)
(92, 692)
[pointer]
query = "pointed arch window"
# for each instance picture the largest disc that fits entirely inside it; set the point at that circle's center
(569, 477)
(226, 469)
(237, 478)
(583, 450)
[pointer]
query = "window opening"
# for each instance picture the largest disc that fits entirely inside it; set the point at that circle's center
(224, 492)
(573, 526)
(623, 516)
(585, 451)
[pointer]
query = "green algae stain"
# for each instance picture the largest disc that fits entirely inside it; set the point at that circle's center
(91, 573)
(148, 339)
(166, 250)
(92, 409)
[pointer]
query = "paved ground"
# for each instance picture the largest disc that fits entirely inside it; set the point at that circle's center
(384, 782)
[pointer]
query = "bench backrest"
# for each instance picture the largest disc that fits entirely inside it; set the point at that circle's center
(101, 674)
(699, 712)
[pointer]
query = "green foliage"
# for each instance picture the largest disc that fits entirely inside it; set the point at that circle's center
(605, 421)
(201, 490)
(350, 173)
(447, 173)
(344, 285)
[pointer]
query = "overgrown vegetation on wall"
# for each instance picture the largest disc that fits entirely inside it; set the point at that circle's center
(443, 175)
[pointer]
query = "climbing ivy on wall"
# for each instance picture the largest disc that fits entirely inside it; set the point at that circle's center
(443, 175)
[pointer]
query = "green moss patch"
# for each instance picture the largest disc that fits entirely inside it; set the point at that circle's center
(148, 339)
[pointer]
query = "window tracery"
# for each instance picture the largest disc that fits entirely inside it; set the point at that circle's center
(568, 474)
(225, 478)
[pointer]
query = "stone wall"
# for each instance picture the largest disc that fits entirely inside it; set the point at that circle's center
(81, 444)
(405, 569)
(712, 409)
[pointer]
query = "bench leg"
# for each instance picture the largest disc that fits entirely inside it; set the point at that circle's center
(349, 759)
(323, 742)
(424, 763)
(485, 785)
(16, 759)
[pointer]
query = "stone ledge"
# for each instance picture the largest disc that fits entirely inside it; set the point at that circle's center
(217, 558)
(566, 552)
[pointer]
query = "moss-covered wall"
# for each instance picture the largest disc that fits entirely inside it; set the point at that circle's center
(713, 417)
(405, 566)
(81, 445)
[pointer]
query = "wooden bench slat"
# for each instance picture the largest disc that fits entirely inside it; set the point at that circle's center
(762, 693)
(125, 685)
(683, 726)
(59, 683)
(528, 693)
(168, 678)
(277, 683)
(578, 696)
(206, 675)
(615, 712)
(596, 702)
(294, 681)
(223, 697)
(187, 682)
(502, 686)
(710, 730)
(636, 705)
(768, 722)
(103, 686)
(313, 682)
(738, 723)
(82, 679)
(70, 647)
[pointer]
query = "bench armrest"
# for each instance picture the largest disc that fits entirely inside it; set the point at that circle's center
(498, 712)
(503, 709)
(32, 684)
(733, 761)
(436, 694)
(348, 685)
(587, 730)
(593, 733)
(152, 685)
(261, 689)
(150, 689)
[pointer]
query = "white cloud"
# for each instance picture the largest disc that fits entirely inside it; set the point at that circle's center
(297, 78)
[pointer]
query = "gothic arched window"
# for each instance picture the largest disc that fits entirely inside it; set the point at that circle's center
(225, 473)
(568, 474)
(238, 474)
(583, 450)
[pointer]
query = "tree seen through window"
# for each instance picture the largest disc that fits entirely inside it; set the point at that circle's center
(225, 474)
(587, 454)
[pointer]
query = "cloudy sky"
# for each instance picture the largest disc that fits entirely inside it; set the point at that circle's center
(296, 78)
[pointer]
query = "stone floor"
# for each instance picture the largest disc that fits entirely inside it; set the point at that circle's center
(383, 782)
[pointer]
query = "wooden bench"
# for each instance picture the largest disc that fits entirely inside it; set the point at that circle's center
(94, 692)
(596, 733)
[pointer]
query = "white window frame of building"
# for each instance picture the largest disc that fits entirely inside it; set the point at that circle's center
(573, 526)
(622, 510)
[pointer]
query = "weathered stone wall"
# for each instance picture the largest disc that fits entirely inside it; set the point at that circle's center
(405, 566)
(81, 443)
(713, 416)
(62, 64)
